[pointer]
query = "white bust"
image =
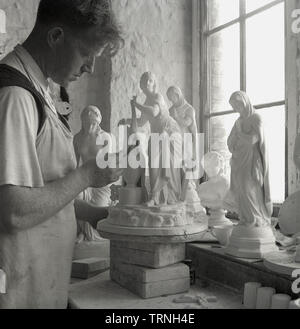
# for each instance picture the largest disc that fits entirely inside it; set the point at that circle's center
(213, 192)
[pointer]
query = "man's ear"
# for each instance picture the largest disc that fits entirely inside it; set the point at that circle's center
(55, 37)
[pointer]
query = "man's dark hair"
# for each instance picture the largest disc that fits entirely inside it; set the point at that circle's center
(81, 14)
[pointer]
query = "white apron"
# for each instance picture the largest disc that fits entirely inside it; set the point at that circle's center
(38, 261)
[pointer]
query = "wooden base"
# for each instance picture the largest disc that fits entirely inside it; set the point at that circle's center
(281, 262)
(251, 242)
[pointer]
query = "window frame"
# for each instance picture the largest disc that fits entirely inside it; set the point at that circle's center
(205, 115)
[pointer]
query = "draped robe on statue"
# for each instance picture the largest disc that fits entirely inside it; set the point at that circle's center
(164, 176)
(250, 186)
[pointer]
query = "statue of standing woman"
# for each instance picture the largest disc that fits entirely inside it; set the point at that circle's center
(185, 115)
(87, 146)
(250, 186)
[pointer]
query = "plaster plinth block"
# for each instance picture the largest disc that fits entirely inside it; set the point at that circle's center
(251, 242)
(146, 275)
(83, 268)
(147, 254)
(150, 283)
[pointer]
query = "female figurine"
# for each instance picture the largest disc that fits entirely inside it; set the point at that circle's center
(250, 186)
(165, 181)
(86, 148)
(185, 115)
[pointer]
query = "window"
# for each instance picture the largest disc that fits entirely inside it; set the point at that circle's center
(243, 48)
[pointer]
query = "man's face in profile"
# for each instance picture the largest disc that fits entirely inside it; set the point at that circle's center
(74, 55)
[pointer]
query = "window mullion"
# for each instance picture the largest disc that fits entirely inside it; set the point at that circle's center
(204, 76)
(243, 63)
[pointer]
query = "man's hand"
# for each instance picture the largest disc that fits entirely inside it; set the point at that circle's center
(98, 177)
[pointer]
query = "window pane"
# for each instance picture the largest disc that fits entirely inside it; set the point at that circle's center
(220, 128)
(222, 11)
(266, 56)
(274, 127)
(255, 4)
(224, 67)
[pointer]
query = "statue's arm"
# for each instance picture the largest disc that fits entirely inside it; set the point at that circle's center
(152, 111)
(257, 135)
(140, 122)
(250, 139)
(173, 113)
(187, 121)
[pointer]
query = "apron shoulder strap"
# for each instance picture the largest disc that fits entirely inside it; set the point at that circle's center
(11, 77)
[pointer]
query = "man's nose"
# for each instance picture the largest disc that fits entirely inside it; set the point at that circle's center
(89, 66)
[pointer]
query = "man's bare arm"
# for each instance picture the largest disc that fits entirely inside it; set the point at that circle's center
(23, 208)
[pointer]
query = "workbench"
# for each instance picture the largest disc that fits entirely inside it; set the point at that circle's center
(100, 292)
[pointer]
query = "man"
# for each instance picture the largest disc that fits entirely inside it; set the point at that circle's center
(38, 175)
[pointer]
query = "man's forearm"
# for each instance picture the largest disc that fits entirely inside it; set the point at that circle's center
(24, 208)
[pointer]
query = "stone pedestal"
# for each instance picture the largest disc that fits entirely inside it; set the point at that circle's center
(150, 283)
(251, 242)
(147, 246)
(217, 218)
(147, 254)
(149, 269)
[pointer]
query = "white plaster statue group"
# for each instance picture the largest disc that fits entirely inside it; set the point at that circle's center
(248, 193)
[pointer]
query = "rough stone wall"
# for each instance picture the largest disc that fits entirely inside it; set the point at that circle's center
(158, 35)
(158, 38)
(20, 18)
(92, 90)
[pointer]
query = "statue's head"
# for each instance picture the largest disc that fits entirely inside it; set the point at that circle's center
(91, 115)
(241, 103)
(148, 83)
(213, 164)
(175, 95)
